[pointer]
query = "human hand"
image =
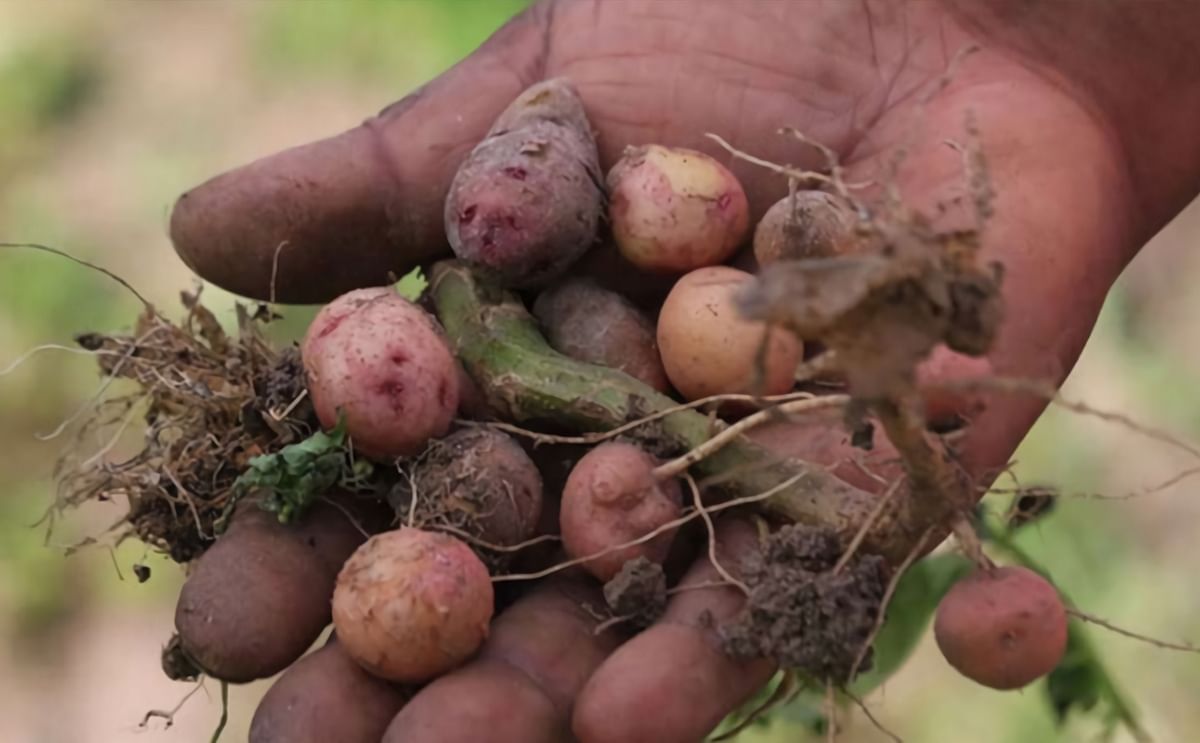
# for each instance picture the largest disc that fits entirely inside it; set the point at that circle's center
(856, 77)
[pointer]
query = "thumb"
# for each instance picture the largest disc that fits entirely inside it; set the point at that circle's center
(349, 209)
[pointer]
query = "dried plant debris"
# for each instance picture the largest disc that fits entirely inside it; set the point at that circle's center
(211, 404)
(638, 592)
(800, 612)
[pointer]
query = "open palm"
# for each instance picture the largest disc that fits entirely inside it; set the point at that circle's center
(862, 78)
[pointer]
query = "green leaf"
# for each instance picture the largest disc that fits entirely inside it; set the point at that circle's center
(908, 615)
(296, 475)
(412, 285)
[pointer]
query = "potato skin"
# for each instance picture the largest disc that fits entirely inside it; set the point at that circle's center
(411, 605)
(707, 348)
(324, 697)
(589, 323)
(526, 202)
(384, 363)
(674, 209)
(1002, 628)
(259, 597)
(489, 473)
(813, 224)
(612, 497)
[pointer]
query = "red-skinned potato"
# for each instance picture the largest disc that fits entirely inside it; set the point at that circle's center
(612, 497)
(586, 322)
(325, 697)
(673, 209)
(1003, 628)
(526, 204)
(259, 597)
(411, 605)
(383, 363)
(707, 347)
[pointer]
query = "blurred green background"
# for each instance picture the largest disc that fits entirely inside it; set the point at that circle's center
(109, 110)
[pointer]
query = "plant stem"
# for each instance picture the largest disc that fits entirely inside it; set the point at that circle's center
(525, 381)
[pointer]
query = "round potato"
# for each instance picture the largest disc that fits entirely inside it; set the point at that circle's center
(707, 347)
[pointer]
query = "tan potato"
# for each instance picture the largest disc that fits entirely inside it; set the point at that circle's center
(382, 362)
(411, 605)
(707, 348)
(586, 322)
(612, 497)
(812, 224)
(1003, 628)
(325, 697)
(259, 597)
(674, 210)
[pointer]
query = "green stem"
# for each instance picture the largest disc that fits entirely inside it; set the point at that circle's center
(525, 381)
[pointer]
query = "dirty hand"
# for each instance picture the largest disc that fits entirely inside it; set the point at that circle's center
(1076, 195)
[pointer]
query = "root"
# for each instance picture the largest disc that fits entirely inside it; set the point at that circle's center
(677, 466)
(711, 530)
(601, 437)
(168, 716)
(829, 707)
(670, 525)
(861, 534)
(787, 684)
(874, 721)
(888, 592)
(1186, 647)
(86, 264)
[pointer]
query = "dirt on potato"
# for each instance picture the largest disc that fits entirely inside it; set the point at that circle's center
(800, 612)
(638, 593)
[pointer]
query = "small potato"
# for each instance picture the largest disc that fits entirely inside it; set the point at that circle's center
(383, 363)
(1003, 628)
(612, 497)
(325, 697)
(813, 224)
(674, 209)
(526, 204)
(589, 323)
(708, 348)
(488, 474)
(411, 605)
(259, 597)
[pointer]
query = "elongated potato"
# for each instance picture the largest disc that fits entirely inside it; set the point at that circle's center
(259, 597)
(325, 697)
(526, 202)
(592, 324)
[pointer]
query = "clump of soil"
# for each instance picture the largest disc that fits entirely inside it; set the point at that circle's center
(638, 593)
(800, 612)
(175, 662)
(210, 403)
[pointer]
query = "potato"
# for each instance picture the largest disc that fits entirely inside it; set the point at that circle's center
(259, 597)
(489, 476)
(586, 322)
(383, 363)
(526, 204)
(708, 348)
(612, 497)
(411, 605)
(812, 224)
(1002, 628)
(324, 697)
(674, 209)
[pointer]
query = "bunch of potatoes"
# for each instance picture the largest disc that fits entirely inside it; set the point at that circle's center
(526, 207)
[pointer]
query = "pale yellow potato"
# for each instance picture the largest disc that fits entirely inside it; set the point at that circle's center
(707, 348)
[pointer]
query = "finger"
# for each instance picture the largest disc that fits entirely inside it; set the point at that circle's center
(314, 221)
(673, 682)
(326, 696)
(524, 683)
(259, 597)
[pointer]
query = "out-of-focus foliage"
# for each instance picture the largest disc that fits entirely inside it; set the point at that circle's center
(108, 110)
